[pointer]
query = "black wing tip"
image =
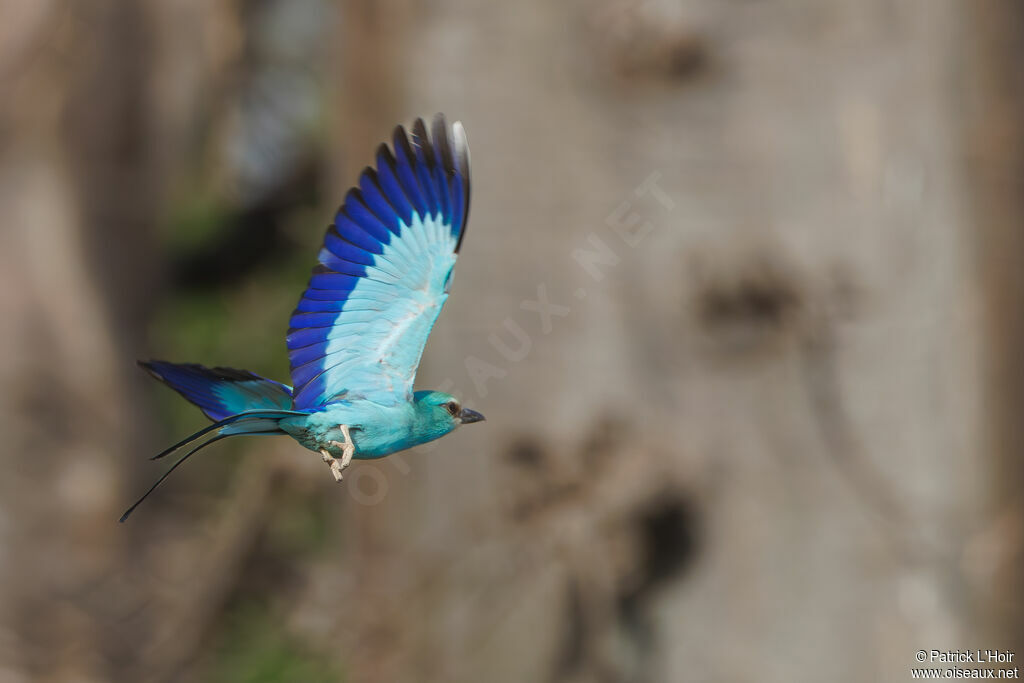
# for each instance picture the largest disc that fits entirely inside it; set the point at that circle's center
(353, 192)
(421, 139)
(149, 366)
(443, 144)
(384, 152)
(217, 371)
(447, 146)
(370, 173)
(461, 154)
(461, 143)
(400, 141)
(152, 368)
(399, 133)
(447, 141)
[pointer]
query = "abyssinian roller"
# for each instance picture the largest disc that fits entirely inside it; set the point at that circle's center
(356, 337)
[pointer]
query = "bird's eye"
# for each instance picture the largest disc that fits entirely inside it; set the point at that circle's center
(452, 407)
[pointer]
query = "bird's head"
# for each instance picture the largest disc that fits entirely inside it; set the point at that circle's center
(442, 412)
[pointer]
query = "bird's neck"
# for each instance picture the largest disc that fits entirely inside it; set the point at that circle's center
(425, 427)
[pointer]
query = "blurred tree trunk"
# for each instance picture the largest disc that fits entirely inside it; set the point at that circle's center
(996, 163)
(718, 304)
(733, 275)
(78, 182)
(97, 101)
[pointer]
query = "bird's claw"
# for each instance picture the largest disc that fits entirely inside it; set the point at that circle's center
(336, 469)
(335, 464)
(348, 449)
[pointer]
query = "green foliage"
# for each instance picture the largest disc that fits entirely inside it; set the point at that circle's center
(242, 324)
(299, 525)
(255, 648)
(194, 219)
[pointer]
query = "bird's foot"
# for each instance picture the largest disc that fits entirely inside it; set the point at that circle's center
(348, 449)
(333, 463)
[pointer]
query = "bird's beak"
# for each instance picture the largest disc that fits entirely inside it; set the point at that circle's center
(467, 416)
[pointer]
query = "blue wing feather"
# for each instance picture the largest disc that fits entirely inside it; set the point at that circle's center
(424, 160)
(340, 265)
(391, 186)
(378, 203)
(458, 200)
(221, 392)
(345, 249)
(383, 271)
(356, 210)
(350, 230)
(404, 169)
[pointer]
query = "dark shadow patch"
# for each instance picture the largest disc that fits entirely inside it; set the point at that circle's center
(668, 543)
(250, 238)
(747, 312)
(636, 44)
(526, 452)
(572, 653)
(763, 303)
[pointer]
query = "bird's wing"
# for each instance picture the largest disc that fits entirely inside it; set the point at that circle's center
(221, 392)
(384, 272)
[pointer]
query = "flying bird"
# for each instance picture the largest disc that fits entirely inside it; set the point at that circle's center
(356, 337)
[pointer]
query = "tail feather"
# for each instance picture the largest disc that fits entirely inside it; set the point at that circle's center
(168, 473)
(238, 401)
(221, 392)
(254, 422)
(230, 420)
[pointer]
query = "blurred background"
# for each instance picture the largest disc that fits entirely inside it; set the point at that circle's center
(742, 299)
